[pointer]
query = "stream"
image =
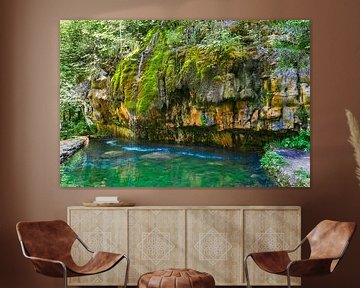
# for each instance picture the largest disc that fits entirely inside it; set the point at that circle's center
(115, 163)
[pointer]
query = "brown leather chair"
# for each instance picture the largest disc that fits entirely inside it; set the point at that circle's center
(328, 242)
(48, 245)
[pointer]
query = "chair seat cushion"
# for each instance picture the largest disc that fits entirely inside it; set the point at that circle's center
(176, 278)
(272, 262)
(99, 262)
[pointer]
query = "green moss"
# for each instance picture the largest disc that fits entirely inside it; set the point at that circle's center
(152, 72)
(206, 63)
(198, 62)
(117, 122)
(123, 82)
(172, 67)
(218, 79)
(192, 67)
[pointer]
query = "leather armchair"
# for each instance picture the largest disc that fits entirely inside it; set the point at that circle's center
(328, 242)
(48, 245)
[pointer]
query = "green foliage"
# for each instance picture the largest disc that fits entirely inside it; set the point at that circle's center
(138, 29)
(296, 34)
(117, 122)
(220, 39)
(303, 178)
(300, 141)
(304, 116)
(89, 46)
(78, 128)
(273, 162)
(174, 38)
(293, 45)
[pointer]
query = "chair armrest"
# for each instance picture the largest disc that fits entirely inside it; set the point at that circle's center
(83, 244)
(281, 251)
(309, 267)
(268, 253)
(298, 246)
(48, 267)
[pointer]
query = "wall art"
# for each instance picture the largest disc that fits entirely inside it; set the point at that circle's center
(185, 103)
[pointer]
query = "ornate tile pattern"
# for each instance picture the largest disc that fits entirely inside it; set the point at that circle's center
(269, 240)
(213, 246)
(214, 243)
(156, 246)
(157, 241)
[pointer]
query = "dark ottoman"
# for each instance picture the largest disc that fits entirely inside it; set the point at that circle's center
(176, 278)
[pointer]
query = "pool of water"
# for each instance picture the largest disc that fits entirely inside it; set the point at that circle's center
(113, 163)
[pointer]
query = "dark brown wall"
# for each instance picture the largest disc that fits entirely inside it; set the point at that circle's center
(29, 113)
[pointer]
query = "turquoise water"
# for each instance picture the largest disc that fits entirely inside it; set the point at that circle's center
(113, 163)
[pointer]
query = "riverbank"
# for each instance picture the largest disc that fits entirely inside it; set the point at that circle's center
(293, 169)
(69, 146)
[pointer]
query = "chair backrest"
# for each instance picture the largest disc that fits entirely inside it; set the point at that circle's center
(46, 239)
(329, 239)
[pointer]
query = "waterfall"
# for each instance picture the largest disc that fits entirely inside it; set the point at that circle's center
(132, 127)
(144, 53)
(140, 64)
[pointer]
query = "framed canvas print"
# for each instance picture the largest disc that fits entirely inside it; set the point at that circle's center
(185, 103)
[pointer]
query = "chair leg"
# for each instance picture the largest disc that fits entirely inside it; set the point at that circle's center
(288, 278)
(127, 271)
(246, 270)
(65, 276)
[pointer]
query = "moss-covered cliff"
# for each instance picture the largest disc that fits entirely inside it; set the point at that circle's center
(232, 90)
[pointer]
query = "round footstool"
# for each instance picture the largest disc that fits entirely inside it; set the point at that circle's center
(176, 278)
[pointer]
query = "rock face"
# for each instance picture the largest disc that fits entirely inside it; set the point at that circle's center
(70, 146)
(191, 96)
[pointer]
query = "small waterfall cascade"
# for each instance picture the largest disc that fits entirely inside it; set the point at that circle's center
(144, 53)
(132, 127)
(142, 56)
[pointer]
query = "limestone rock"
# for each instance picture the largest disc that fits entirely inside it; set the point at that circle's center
(305, 93)
(237, 96)
(248, 94)
(99, 83)
(224, 117)
(255, 116)
(304, 74)
(243, 117)
(113, 154)
(229, 89)
(288, 116)
(284, 83)
(69, 146)
(277, 101)
(158, 156)
(214, 93)
(273, 113)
